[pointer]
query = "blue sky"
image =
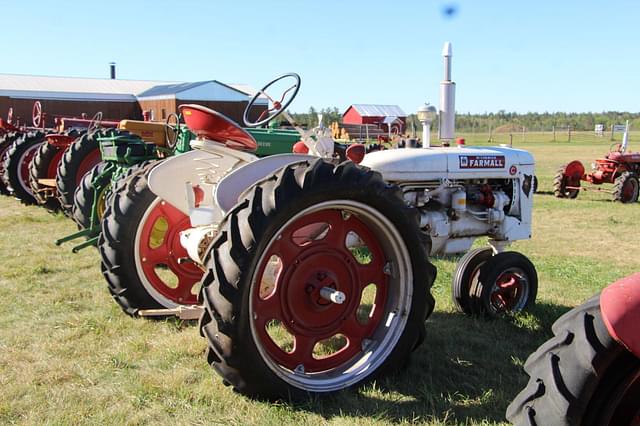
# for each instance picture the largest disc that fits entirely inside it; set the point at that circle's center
(571, 56)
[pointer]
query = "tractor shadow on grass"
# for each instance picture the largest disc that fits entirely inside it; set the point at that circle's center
(466, 369)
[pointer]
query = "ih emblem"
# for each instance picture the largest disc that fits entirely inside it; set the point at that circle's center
(481, 161)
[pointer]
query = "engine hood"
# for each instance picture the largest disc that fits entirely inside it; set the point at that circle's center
(418, 164)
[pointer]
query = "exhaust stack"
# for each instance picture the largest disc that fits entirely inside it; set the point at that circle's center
(112, 68)
(447, 127)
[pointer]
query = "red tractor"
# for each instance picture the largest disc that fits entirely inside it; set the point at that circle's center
(618, 167)
(589, 372)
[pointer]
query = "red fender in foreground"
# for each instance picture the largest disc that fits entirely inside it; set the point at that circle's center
(620, 306)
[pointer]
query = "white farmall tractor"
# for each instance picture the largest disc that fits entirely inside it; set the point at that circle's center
(317, 275)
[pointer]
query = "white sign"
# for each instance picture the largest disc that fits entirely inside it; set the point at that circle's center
(619, 127)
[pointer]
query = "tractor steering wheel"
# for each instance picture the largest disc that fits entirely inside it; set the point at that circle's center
(171, 130)
(36, 114)
(274, 107)
(95, 122)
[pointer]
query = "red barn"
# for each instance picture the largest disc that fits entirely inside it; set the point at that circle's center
(386, 117)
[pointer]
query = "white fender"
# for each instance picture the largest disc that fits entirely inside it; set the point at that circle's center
(205, 168)
(234, 184)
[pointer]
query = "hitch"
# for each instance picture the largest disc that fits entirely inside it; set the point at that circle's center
(192, 312)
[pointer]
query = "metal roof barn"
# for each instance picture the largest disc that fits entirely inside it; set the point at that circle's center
(116, 99)
(390, 118)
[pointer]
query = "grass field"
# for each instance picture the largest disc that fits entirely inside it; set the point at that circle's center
(68, 355)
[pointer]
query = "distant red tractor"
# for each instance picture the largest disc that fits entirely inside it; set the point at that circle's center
(618, 167)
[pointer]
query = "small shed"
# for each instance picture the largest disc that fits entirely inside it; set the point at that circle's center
(389, 118)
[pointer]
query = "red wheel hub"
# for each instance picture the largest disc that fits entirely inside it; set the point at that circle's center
(506, 292)
(313, 255)
(159, 245)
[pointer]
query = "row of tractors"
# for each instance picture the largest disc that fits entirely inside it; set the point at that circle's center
(305, 260)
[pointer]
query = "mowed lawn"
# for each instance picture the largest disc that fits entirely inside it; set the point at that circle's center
(68, 355)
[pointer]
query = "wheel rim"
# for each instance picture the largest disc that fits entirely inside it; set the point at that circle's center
(510, 291)
(88, 163)
(331, 346)
(623, 408)
(157, 250)
(52, 170)
(629, 190)
(24, 163)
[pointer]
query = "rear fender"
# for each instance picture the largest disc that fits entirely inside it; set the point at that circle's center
(620, 307)
(204, 168)
(234, 184)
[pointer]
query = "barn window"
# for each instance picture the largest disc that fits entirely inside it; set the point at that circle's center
(164, 113)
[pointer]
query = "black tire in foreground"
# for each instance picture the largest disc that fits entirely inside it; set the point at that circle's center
(5, 144)
(626, 188)
(581, 376)
(306, 279)
(140, 248)
(80, 157)
(16, 165)
(85, 196)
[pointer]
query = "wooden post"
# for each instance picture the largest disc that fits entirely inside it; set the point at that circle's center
(569, 133)
(510, 139)
(554, 133)
(522, 133)
(612, 132)
(490, 133)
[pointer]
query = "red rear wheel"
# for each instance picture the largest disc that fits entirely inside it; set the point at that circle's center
(141, 251)
(158, 250)
(312, 260)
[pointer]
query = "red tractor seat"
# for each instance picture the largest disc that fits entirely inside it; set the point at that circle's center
(209, 124)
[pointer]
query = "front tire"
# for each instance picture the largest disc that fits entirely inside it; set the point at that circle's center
(507, 283)
(581, 376)
(312, 229)
(464, 277)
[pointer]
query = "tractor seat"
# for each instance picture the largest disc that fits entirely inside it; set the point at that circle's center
(209, 124)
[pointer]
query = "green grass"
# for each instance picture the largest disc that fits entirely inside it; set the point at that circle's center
(68, 355)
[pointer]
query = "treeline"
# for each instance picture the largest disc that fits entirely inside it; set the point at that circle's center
(501, 121)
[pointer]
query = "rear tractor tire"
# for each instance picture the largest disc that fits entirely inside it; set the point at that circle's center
(80, 157)
(45, 166)
(5, 143)
(85, 195)
(317, 281)
(141, 251)
(626, 188)
(16, 165)
(581, 376)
